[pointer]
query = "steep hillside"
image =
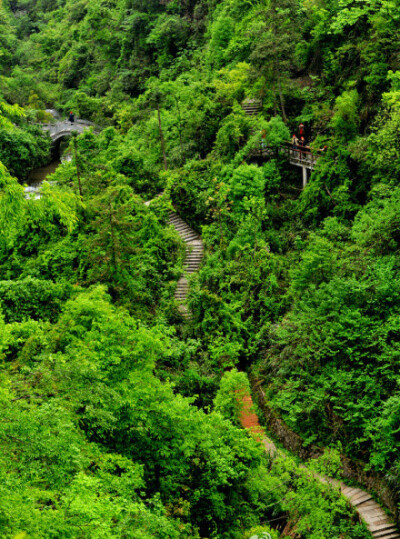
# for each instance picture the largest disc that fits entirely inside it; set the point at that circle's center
(118, 410)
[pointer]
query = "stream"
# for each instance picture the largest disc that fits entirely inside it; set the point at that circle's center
(36, 177)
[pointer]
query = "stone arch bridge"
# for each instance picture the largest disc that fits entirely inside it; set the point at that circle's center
(65, 128)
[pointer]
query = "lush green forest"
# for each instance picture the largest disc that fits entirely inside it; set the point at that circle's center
(119, 416)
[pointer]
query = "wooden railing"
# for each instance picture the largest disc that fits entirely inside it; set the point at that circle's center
(300, 156)
(297, 155)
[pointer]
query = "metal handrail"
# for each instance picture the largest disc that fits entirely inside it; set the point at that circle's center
(299, 155)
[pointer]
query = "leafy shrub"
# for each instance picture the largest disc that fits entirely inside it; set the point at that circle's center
(23, 150)
(377, 225)
(33, 298)
(233, 387)
(346, 118)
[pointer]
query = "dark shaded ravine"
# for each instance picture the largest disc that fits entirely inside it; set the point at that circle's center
(37, 175)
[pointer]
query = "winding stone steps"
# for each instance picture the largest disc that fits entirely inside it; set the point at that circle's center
(379, 524)
(193, 258)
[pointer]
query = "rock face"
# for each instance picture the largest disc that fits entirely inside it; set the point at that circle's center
(56, 115)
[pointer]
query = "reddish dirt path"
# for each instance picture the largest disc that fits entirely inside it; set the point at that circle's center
(249, 420)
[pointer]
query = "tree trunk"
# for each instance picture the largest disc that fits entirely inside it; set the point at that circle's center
(162, 138)
(282, 101)
(180, 132)
(78, 172)
(274, 97)
(113, 246)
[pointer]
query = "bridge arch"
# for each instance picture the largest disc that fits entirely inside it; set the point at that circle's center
(62, 129)
(58, 136)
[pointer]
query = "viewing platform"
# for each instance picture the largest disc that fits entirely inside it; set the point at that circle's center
(297, 156)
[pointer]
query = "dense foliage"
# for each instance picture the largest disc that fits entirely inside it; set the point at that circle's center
(119, 416)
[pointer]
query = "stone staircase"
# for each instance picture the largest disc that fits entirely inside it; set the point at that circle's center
(193, 258)
(252, 107)
(379, 524)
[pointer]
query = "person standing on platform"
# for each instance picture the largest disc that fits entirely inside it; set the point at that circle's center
(302, 143)
(295, 142)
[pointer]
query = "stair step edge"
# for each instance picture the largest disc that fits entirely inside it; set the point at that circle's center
(361, 500)
(388, 534)
(381, 527)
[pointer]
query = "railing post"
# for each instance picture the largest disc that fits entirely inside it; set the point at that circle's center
(305, 176)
